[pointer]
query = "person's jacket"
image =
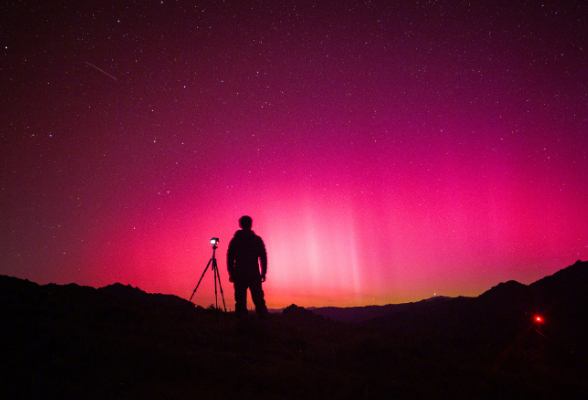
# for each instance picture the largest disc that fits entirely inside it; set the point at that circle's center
(246, 251)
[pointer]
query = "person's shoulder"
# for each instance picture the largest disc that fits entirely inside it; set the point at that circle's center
(235, 237)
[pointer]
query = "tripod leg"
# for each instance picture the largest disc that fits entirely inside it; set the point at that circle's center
(220, 286)
(205, 269)
(215, 267)
(214, 272)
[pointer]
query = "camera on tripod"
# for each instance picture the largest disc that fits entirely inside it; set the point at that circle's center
(216, 276)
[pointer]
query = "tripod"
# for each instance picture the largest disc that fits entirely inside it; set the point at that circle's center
(212, 261)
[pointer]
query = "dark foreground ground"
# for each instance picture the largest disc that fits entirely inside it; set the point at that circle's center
(121, 343)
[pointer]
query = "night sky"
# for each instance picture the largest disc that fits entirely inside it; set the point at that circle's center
(387, 151)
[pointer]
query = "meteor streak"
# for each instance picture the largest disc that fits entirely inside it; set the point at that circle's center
(101, 70)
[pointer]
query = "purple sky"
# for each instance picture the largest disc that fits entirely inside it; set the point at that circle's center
(387, 151)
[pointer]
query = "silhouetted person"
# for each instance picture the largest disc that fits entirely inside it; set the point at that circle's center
(246, 253)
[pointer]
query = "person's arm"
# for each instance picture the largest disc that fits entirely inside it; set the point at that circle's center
(263, 260)
(231, 261)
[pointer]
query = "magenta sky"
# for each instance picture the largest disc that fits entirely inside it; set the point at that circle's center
(386, 153)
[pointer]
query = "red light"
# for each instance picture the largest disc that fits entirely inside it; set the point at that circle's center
(538, 319)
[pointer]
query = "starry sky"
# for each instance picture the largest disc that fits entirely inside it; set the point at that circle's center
(387, 151)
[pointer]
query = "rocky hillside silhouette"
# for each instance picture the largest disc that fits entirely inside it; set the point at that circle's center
(361, 314)
(505, 312)
(119, 342)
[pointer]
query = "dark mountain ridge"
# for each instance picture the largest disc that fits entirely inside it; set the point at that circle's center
(567, 283)
(73, 341)
(361, 314)
(504, 314)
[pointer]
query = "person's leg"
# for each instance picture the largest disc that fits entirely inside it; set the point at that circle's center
(258, 298)
(240, 298)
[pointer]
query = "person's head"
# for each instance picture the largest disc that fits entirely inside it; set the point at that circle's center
(245, 222)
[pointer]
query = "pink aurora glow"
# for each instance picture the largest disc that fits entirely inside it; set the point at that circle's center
(386, 153)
